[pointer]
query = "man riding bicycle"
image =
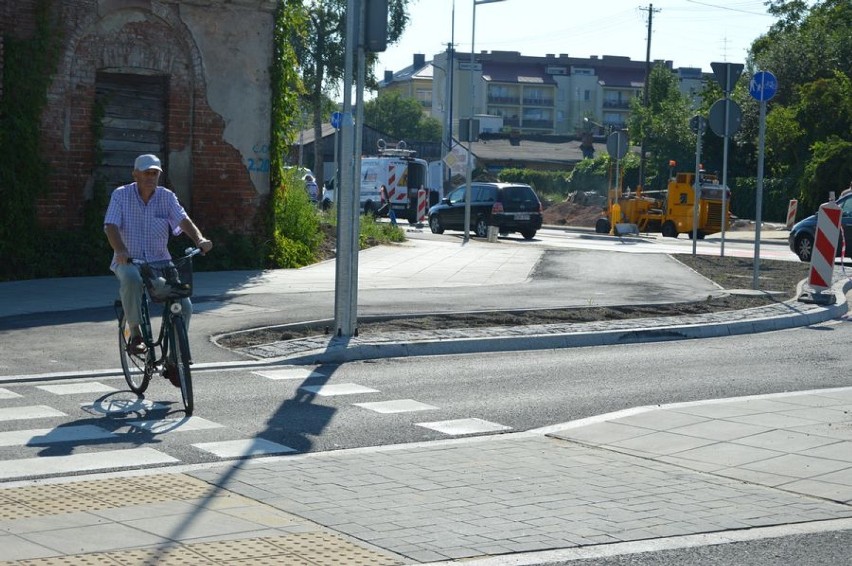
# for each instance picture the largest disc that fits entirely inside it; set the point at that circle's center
(138, 222)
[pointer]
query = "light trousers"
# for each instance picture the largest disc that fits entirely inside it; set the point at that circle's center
(130, 293)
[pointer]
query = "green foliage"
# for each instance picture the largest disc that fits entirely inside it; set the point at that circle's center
(295, 235)
(544, 182)
(777, 194)
(598, 174)
(372, 233)
(321, 60)
(401, 118)
(28, 68)
(665, 123)
(830, 169)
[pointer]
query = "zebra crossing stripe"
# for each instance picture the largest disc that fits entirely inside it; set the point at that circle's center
(244, 448)
(31, 412)
(75, 388)
(42, 436)
(8, 394)
(86, 462)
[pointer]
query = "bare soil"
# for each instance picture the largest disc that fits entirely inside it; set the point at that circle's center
(728, 272)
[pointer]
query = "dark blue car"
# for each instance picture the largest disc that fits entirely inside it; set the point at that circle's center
(803, 233)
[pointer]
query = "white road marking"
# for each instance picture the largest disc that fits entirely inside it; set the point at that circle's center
(242, 448)
(289, 373)
(41, 436)
(337, 389)
(75, 388)
(31, 412)
(464, 426)
(84, 462)
(7, 394)
(122, 406)
(397, 406)
(160, 426)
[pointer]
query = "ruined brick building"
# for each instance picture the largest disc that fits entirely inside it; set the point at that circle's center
(186, 80)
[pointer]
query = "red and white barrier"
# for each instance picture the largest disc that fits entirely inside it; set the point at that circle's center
(825, 247)
(422, 204)
(791, 213)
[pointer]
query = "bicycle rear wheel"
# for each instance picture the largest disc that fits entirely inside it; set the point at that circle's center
(179, 356)
(136, 369)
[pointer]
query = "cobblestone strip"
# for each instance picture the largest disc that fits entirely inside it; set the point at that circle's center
(775, 317)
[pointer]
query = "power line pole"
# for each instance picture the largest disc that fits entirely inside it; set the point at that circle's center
(650, 9)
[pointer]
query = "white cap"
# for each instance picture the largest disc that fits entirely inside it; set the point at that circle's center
(146, 162)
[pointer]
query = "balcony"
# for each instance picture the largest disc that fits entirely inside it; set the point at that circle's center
(617, 104)
(510, 100)
(547, 102)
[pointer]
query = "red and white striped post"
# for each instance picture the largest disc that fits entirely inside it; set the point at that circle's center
(824, 252)
(422, 202)
(791, 213)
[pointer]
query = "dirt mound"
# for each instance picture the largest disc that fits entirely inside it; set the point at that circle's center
(571, 214)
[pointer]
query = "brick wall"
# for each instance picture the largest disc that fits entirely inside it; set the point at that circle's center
(137, 41)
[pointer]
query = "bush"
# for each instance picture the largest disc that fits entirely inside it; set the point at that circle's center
(296, 235)
(544, 182)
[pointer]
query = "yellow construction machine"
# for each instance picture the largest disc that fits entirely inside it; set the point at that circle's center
(672, 213)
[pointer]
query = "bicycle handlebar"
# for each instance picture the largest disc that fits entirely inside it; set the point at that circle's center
(188, 252)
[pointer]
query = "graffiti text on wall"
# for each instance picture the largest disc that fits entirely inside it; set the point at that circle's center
(260, 162)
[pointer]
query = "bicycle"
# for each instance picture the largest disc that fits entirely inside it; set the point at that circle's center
(165, 282)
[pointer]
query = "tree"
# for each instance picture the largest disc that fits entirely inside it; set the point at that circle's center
(665, 123)
(809, 124)
(401, 118)
(322, 58)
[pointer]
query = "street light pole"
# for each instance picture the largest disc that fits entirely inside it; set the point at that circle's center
(469, 176)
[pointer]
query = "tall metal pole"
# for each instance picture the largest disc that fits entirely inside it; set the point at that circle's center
(469, 172)
(758, 213)
(345, 287)
(646, 95)
(469, 177)
(725, 157)
(696, 186)
(451, 63)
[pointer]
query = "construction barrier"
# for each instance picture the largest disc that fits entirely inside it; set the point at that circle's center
(825, 247)
(422, 204)
(791, 213)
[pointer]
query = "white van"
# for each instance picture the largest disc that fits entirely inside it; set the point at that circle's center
(402, 174)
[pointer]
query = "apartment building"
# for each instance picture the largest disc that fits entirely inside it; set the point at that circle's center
(510, 92)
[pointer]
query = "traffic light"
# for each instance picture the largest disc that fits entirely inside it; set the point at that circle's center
(376, 25)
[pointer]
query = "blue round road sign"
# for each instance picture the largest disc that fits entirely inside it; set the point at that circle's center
(335, 120)
(763, 86)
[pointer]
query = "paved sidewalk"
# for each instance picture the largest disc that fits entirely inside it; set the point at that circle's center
(728, 467)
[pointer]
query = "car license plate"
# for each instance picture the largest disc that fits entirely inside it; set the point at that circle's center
(522, 216)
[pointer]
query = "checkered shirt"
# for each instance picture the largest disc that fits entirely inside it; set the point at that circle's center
(145, 228)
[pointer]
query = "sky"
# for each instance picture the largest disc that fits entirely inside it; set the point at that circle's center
(690, 33)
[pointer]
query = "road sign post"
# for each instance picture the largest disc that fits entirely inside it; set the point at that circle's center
(762, 88)
(727, 75)
(698, 125)
(616, 146)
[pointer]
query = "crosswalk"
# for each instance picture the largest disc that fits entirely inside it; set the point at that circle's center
(97, 426)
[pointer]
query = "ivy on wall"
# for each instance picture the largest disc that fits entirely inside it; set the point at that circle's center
(286, 86)
(28, 69)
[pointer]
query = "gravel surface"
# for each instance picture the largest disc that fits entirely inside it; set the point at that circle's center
(778, 281)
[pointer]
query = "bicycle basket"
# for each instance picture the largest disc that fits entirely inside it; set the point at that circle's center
(168, 280)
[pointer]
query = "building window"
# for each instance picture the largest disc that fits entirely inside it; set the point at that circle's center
(424, 97)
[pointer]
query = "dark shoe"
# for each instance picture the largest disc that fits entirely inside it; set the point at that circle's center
(136, 346)
(170, 372)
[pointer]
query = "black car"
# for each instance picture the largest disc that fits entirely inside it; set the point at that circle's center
(803, 233)
(512, 207)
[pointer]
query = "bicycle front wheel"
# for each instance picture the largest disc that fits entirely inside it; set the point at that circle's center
(137, 373)
(179, 355)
